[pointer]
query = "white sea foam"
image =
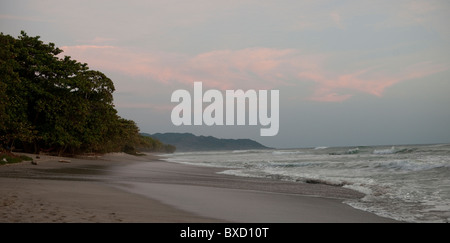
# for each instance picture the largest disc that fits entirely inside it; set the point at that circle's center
(409, 183)
(320, 147)
(284, 152)
(385, 151)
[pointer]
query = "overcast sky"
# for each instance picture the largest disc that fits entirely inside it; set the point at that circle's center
(349, 72)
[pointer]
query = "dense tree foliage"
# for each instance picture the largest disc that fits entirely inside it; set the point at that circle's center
(58, 105)
(152, 144)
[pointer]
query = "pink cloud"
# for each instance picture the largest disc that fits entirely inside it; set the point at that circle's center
(327, 96)
(247, 68)
(251, 68)
(337, 19)
(374, 81)
(86, 47)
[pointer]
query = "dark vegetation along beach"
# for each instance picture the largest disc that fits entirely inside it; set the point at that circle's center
(53, 106)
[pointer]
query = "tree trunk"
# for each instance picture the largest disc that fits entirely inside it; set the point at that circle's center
(36, 147)
(61, 152)
(12, 146)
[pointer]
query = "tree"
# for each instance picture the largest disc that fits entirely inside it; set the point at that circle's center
(57, 104)
(13, 104)
(3, 104)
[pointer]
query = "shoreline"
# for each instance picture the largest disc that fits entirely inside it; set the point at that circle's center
(125, 188)
(79, 191)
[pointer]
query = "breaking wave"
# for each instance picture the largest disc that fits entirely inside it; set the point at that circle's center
(409, 183)
(282, 152)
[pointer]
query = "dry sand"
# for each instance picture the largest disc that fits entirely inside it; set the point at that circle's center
(124, 188)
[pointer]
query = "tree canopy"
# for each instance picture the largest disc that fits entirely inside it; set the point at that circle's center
(59, 105)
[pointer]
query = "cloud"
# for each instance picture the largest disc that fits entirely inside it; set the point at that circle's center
(246, 68)
(337, 19)
(99, 41)
(250, 68)
(373, 80)
(383, 14)
(87, 47)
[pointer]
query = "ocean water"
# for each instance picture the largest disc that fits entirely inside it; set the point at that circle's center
(409, 183)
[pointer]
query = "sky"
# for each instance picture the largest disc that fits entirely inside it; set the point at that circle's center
(349, 72)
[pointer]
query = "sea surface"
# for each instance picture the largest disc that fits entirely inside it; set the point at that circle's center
(407, 182)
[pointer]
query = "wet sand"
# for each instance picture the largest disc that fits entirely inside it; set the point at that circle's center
(125, 188)
(78, 192)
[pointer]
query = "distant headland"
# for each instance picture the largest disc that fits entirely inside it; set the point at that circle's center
(185, 142)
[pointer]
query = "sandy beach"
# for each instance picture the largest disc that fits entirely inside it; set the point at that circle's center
(125, 188)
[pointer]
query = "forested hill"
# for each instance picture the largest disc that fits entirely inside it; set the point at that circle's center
(59, 105)
(190, 142)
